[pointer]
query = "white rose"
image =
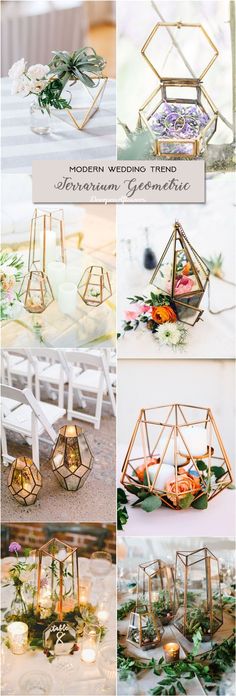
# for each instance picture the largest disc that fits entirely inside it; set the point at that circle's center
(17, 69)
(38, 71)
(21, 86)
(38, 86)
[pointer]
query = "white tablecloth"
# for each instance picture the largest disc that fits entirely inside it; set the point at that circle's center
(69, 675)
(20, 146)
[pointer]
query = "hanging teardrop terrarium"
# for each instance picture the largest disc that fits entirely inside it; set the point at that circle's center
(57, 579)
(156, 588)
(179, 113)
(71, 459)
(182, 275)
(176, 453)
(198, 603)
(95, 286)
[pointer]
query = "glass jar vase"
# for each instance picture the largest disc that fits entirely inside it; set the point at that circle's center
(40, 120)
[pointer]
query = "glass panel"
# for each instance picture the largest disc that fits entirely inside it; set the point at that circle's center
(187, 57)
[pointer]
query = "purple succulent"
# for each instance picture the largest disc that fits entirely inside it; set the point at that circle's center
(14, 547)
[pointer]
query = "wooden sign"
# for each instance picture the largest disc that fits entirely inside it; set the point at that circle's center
(59, 638)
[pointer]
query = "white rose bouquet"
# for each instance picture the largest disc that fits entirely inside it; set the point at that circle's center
(11, 273)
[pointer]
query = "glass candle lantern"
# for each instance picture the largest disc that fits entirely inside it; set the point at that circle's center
(71, 458)
(179, 114)
(57, 581)
(145, 629)
(85, 585)
(156, 588)
(90, 643)
(176, 452)
(24, 481)
(36, 292)
(198, 603)
(171, 652)
(182, 275)
(46, 239)
(103, 612)
(95, 286)
(17, 633)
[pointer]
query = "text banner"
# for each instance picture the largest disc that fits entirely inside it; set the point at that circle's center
(59, 181)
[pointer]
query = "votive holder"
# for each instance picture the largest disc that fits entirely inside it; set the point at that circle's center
(90, 642)
(171, 652)
(17, 632)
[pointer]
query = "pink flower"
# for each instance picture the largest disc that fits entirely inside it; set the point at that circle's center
(143, 309)
(183, 284)
(14, 547)
(132, 314)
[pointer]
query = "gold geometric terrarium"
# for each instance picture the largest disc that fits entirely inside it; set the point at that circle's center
(156, 588)
(24, 481)
(57, 579)
(145, 629)
(46, 238)
(36, 292)
(177, 454)
(95, 287)
(179, 113)
(198, 603)
(182, 275)
(85, 101)
(71, 459)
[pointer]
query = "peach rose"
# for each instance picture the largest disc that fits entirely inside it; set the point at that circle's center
(183, 484)
(162, 314)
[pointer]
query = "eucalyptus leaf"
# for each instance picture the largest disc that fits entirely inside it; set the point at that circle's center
(201, 503)
(152, 502)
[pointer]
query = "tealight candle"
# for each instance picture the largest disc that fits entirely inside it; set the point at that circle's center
(91, 638)
(17, 632)
(56, 271)
(196, 440)
(171, 652)
(67, 296)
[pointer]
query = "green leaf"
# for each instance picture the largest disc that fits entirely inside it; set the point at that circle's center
(218, 471)
(181, 688)
(172, 690)
(201, 465)
(186, 501)
(201, 503)
(121, 496)
(152, 502)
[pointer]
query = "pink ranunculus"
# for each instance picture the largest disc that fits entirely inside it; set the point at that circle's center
(183, 285)
(130, 315)
(144, 309)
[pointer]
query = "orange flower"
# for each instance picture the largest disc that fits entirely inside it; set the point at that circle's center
(183, 484)
(141, 469)
(186, 268)
(162, 314)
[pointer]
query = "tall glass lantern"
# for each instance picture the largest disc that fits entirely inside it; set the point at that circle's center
(156, 588)
(179, 113)
(198, 603)
(57, 581)
(46, 238)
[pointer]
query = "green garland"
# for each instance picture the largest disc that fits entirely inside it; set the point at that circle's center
(125, 609)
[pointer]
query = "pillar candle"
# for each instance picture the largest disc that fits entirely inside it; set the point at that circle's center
(56, 271)
(67, 296)
(196, 439)
(50, 247)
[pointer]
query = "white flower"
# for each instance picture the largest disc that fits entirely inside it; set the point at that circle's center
(21, 86)
(38, 71)
(37, 86)
(17, 69)
(170, 334)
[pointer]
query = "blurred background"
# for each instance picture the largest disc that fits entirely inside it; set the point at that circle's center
(136, 80)
(31, 29)
(130, 552)
(88, 537)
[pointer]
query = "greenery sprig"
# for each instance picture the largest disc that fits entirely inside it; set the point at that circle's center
(125, 609)
(122, 514)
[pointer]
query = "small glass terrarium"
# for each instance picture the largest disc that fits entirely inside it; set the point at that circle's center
(72, 459)
(84, 102)
(182, 275)
(156, 588)
(198, 603)
(95, 286)
(176, 453)
(145, 630)
(57, 581)
(179, 113)
(24, 481)
(36, 292)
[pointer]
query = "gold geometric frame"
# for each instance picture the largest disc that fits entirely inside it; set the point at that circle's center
(195, 144)
(163, 424)
(184, 305)
(197, 592)
(42, 223)
(155, 581)
(68, 458)
(139, 621)
(94, 287)
(24, 481)
(36, 283)
(69, 115)
(57, 579)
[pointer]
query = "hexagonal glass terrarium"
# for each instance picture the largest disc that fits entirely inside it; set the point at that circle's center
(57, 579)
(183, 275)
(198, 603)
(179, 113)
(36, 292)
(71, 459)
(24, 481)
(95, 287)
(177, 454)
(156, 588)
(145, 629)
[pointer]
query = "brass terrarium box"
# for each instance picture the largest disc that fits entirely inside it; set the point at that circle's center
(179, 113)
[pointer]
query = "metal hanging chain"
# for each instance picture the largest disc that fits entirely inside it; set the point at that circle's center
(226, 309)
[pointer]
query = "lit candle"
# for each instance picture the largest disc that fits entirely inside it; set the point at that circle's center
(84, 589)
(90, 641)
(17, 632)
(102, 612)
(56, 271)
(88, 654)
(196, 439)
(50, 247)
(171, 652)
(67, 296)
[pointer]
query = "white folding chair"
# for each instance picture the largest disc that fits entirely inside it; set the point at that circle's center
(93, 382)
(30, 419)
(49, 368)
(18, 366)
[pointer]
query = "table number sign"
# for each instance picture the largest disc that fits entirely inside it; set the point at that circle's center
(59, 638)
